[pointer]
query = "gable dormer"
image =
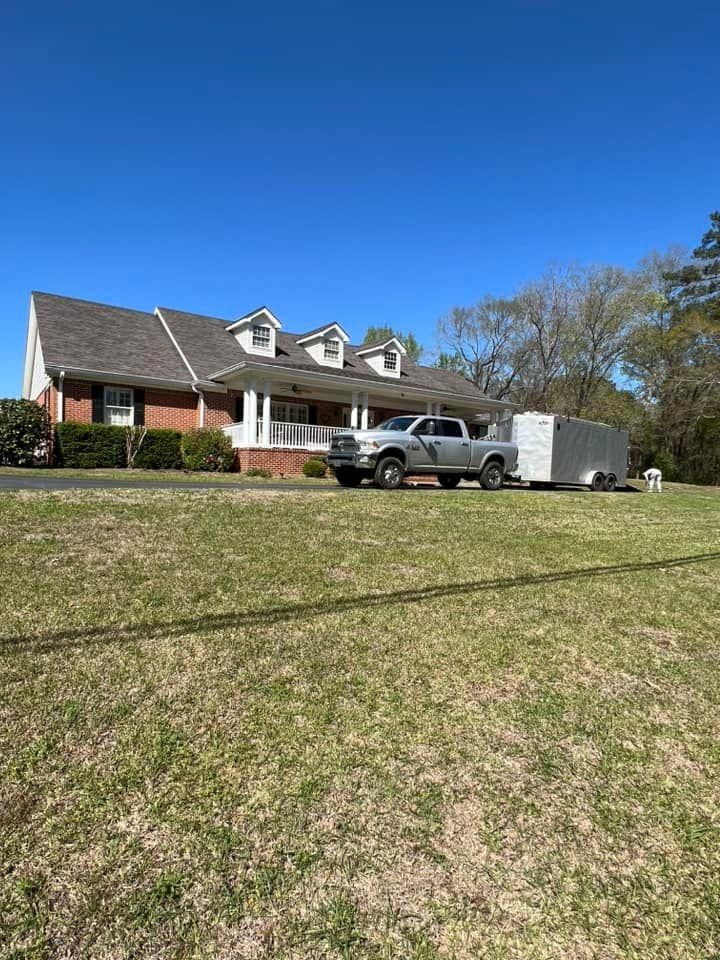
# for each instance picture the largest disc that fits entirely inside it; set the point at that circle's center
(255, 332)
(326, 345)
(384, 356)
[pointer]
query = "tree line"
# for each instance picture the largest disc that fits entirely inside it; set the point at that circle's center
(639, 349)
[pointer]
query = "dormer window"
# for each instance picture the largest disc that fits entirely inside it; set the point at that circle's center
(331, 350)
(261, 337)
(390, 361)
(256, 332)
(326, 345)
(383, 356)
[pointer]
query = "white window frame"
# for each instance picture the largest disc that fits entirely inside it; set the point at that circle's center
(108, 405)
(284, 412)
(331, 350)
(390, 361)
(258, 335)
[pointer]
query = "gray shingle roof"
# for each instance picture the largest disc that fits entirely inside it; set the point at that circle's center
(84, 335)
(80, 334)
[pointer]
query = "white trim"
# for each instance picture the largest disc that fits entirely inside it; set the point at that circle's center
(318, 334)
(117, 406)
(31, 342)
(112, 376)
(184, 359)
(377, 347)
(377, 386)
(249, 317)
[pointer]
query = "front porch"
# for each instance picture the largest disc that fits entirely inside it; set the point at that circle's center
(281, 424)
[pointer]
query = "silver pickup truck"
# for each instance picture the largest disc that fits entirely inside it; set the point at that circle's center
(415, 444)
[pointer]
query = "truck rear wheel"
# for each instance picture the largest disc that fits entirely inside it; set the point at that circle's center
(348, 477)
(389, 473)
(449, 480)
(597, 483)
(610, 483)
(492, 475)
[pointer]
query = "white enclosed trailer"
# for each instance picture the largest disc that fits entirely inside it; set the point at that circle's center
(553, 449)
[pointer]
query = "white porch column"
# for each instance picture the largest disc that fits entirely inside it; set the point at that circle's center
(364, 400)
(429, 408)
(354, 411)
(438, 409)
(266, 414)
(251, 414)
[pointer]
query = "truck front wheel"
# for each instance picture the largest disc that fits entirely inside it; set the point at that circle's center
(492, 475)
(449, 480)
(348, 477)
(389, 473)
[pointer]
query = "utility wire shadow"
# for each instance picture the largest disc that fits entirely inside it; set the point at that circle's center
(57, 639)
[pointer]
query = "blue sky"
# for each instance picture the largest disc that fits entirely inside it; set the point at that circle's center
(361, 162)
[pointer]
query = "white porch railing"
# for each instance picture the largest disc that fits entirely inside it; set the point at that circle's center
(301, 436)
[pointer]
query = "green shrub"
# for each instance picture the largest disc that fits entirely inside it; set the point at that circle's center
(89, 445)
(24, 432)
(161, 450)
(97, 445)
(207, 449)
(664, 461)
(258, 472)
(314, 468)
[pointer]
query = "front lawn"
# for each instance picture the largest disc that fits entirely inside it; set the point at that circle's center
(376, 725)
(156, 476)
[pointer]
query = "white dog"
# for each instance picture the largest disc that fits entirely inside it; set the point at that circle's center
(653, 480)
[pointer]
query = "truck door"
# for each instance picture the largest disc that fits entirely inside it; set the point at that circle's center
(423, 445)
(454, 453)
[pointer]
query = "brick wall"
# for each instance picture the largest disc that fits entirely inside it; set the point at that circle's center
(77, 400)
(172, 409)
(280, 462)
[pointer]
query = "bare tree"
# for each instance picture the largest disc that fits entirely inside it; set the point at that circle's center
(485, 343)
(134, 437)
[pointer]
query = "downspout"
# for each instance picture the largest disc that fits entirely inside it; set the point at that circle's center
(59, 410)
(202, 404)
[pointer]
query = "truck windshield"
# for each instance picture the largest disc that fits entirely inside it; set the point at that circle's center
(397, 423)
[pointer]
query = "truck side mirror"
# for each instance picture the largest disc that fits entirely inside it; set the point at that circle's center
(431, 427)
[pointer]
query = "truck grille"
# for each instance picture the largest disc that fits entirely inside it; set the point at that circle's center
(343, 443)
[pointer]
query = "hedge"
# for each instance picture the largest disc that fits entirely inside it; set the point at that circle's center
(93, 445)
(24, 432)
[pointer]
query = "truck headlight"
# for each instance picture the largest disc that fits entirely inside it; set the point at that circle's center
(366, 446)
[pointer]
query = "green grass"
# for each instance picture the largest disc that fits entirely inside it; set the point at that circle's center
(404, 725)
(156, 476)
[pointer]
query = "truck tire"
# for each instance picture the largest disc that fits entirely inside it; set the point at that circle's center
(597, 483)
(449, 480)
(492, 475)
(610, 484)
(389, 473)
(348, 477)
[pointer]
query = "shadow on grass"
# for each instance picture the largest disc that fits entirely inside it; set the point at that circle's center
(56, 639)
(268, 616)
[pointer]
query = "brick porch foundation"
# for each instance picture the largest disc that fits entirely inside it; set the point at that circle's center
(281, 461)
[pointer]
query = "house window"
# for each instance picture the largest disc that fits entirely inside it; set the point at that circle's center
(390, 360)
(331, 350)
(261, 337)
(289, 412)
(119, 407)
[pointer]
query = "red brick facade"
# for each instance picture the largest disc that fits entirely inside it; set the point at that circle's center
(180, 410)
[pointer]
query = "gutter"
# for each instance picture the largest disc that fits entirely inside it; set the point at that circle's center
(60, 410)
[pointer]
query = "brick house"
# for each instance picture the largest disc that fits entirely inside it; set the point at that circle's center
(279, 396)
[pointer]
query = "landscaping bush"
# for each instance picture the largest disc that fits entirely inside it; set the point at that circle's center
(314, 468)
(207, 449)
(258, 472)
(24, 432)
(97, 445)
(161, 450)
(89, 445)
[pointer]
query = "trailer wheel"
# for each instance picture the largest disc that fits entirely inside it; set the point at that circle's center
(389, 473)
(610, 483)
(449, 480)
(597, 483)
(492, 475)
